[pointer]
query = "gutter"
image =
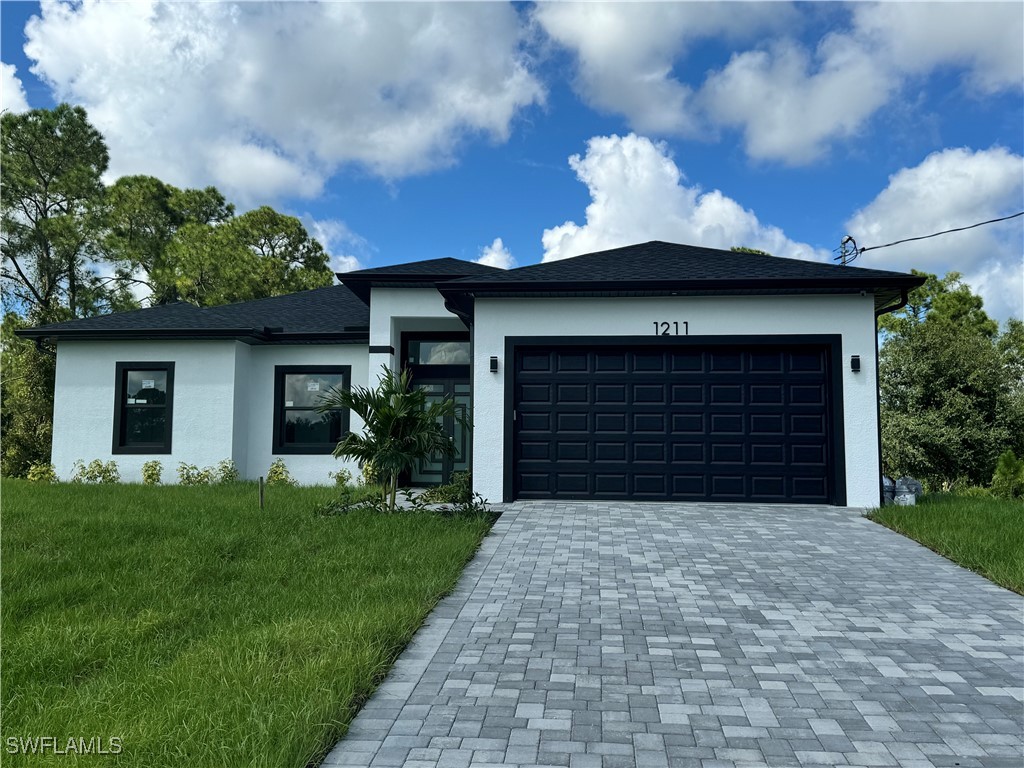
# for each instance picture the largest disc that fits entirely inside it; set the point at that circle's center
(248, 335)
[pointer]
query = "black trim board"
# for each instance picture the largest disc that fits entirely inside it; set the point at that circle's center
(382, 349)
(834, 342)
(120, 369)
(277, 448)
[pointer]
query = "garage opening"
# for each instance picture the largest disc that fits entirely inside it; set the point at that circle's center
(746, 422)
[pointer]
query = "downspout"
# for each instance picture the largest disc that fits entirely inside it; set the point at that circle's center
(901, 302)
(43, 350)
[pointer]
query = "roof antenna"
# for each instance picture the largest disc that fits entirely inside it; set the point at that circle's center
(847, 250)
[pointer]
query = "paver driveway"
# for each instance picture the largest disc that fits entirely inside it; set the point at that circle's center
(604, 635)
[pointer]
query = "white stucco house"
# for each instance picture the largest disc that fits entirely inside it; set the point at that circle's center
(651, 372)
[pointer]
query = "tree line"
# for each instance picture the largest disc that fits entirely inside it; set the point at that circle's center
(74, 246)
(951, 383)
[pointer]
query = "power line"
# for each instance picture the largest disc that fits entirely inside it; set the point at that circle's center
(846, 255)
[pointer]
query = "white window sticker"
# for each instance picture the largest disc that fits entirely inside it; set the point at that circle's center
(289, 403)
(131, 401)
(148, 383)
(312, 386)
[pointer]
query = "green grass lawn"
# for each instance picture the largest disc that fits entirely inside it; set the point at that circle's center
(983, 534)
(199, 630)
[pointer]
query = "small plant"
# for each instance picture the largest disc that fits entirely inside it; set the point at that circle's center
(342, 478)
(973, 492)
(43, 472)
(370, 474)
(457, 491)
(190, 474)
(96, 471)
(1008, 480)
(278, 474)
(151, 472)
(226, 471)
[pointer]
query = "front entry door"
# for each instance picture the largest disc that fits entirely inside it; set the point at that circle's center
(437, 469)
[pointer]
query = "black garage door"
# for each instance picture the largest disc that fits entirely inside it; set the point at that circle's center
(722, 423)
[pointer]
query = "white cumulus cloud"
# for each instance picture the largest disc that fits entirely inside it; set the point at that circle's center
(12, 93)
(638, 193)
(790, 100)
(269, 99)
(627, 53)
(791, 105)
(340, 242)
(497, 255)
(948, 189)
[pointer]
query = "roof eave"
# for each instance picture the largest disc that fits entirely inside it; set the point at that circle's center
(245, 335)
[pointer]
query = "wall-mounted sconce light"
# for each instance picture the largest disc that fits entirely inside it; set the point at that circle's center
(855, 363)
(494, 364)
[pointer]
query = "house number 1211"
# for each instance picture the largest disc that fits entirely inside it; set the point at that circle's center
(663, 328)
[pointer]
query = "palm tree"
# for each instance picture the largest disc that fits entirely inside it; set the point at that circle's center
(401, 427)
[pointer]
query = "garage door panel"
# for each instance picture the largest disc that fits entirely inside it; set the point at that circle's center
(727, 453)
(766, 394)
(574, 451)
(689, 486)
(762, 454)
(723, 424)
(768, 487)
(571, 422)
(687, 423)
(649, 423)
(649, 393)
(722, 394)
(726, 423)
(688, 453)
(610, 451)
(650, 485)
(610, 423)
(535, 361)
(610, 393)
(571, 362)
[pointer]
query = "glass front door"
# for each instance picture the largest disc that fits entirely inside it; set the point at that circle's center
(437, 469)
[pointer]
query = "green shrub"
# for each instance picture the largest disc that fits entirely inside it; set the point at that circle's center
(42, 472)
(151, 472)
(342, 478)
(190, 474)
(278, 474)
(370, 474)
(459, 490)
(973, 492)
(96, 471)
(1008, 480)
(226, 471)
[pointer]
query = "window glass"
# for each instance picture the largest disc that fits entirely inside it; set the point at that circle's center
(142, 415)
(299, 427)
(302, 426)
(439, 352)
(307, 389)
(146, 388)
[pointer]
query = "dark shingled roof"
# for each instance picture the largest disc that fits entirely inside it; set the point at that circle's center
(332, 314)
(415, 274)
(657, 262)
(659, 268)
(443, 268)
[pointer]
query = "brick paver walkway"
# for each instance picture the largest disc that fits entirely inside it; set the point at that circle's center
(602, 635)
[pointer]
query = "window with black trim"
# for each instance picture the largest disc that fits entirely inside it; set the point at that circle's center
(298, 391)
(143, 401)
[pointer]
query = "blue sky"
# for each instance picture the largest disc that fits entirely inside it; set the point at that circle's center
(411, 131)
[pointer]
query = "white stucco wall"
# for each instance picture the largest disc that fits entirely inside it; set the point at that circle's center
(394, 311)
(851, 316)
(259, 407)
(203, 411)
(223, 404)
